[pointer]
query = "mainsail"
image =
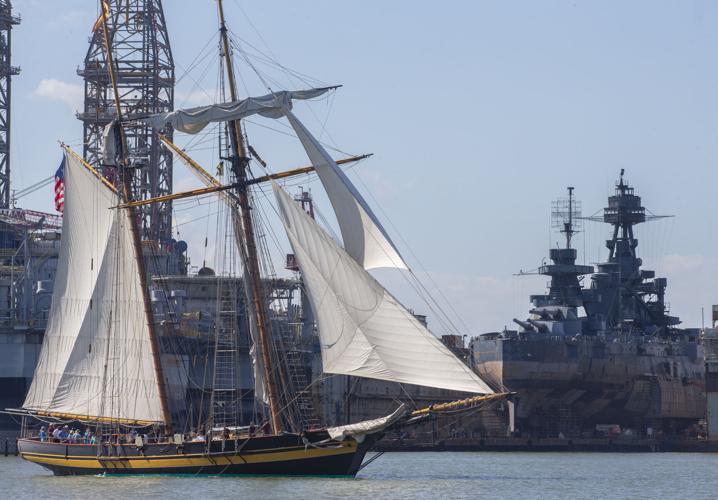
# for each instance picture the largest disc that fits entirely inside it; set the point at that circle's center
(96, 359)
(363, 330)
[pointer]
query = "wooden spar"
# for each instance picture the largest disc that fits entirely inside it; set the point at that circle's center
(216, 187)
(461, 404)
(91, 418)
(88, 167)
(209, 179)
(178, 196)
(136, 242)
(303, 170)
(239, 166)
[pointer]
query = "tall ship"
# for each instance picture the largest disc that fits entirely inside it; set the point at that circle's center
(101, 367)
(603, 354)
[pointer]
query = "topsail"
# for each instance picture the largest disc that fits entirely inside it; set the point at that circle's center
(364, 237)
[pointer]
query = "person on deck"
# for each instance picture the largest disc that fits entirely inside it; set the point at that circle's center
(64, 434)
(43, 434)
(266, 428)
(56, 434)
(252, 429)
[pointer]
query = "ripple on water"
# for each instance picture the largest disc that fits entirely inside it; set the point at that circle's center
(410, 475)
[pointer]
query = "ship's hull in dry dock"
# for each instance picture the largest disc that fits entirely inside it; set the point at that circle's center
(569, 386)
(283, 455)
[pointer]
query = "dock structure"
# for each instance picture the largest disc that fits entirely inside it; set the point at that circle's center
(710, 343)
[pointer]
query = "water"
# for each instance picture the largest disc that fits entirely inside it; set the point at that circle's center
(411, 475)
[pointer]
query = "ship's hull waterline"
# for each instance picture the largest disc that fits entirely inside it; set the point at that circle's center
(284, 455)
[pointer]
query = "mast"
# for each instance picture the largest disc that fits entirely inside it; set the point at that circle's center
(136, 242)
(239, 162)
(568, 226)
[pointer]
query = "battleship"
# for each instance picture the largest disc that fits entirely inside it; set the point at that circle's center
(603, 354)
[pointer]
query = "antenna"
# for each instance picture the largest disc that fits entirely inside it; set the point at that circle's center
(566, 215)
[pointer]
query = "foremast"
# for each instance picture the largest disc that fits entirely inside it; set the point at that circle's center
(239, 162)
(136, 242)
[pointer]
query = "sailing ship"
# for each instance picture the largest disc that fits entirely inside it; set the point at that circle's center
(100, 363)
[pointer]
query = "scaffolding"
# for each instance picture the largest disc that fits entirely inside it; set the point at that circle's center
(145, 80)
(7, 71)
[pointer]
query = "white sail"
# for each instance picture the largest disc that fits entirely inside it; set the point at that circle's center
(363, 330)
(96, 359)
(260, 389)
(364, 237)
(193, 120)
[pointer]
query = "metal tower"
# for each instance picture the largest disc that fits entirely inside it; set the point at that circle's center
(145, 80)
(7, 21)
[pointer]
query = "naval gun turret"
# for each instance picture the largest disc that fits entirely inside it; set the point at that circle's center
(556, 312)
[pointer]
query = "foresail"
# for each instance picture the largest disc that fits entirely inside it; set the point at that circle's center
(363, 330)
(364, 237)
(194, 120)
(96, 358)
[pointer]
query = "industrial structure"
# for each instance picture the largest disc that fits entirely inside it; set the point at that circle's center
(7, 71)
(145, 75)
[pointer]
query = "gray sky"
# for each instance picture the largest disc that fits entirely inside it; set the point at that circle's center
(478, 115)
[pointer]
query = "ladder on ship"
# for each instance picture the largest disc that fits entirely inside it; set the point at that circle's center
(295, 366)
(225, 401)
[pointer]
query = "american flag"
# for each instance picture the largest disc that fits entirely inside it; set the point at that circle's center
(60, 187)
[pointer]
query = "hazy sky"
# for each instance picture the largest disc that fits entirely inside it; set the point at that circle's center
(478, 115)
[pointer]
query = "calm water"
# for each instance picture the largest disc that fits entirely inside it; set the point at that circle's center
(412, 475)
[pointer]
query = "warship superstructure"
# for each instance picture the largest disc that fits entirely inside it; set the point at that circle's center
(605, 353)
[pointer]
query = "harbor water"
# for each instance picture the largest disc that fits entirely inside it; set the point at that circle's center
(411, 475)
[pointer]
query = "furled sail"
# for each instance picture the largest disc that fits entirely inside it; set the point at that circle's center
(363, 330)
(96, 359)
(260, 388)
(364, 237)
(193, 120)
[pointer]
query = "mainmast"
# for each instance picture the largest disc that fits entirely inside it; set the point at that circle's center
(127, 190)
(239, 162)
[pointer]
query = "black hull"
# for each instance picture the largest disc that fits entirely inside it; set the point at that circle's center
(283, 455)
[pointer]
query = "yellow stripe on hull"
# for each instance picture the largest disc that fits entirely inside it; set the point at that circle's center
(181, 461)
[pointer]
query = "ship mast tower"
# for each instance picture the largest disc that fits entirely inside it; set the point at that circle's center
(145, 81)
(566, 215)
